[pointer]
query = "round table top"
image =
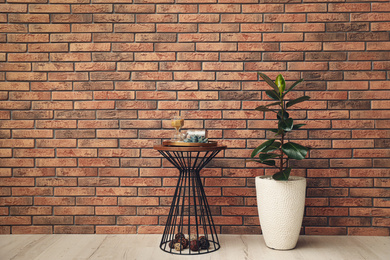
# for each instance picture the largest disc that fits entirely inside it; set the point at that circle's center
(189, 148)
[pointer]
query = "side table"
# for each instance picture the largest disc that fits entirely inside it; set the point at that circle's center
(190, 212)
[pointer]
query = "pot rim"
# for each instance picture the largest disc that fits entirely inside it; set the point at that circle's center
(290, 179)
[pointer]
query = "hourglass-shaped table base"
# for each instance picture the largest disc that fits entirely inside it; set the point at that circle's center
(190, 212)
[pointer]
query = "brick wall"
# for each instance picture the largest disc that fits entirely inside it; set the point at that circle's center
(88, 87)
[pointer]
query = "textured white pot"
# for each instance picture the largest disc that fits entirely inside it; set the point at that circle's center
(281, 206)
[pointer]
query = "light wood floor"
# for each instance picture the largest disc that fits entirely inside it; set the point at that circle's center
(145, 247)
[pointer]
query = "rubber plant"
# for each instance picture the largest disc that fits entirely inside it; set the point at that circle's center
(278, 149)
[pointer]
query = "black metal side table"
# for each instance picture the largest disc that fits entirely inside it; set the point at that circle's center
(190, 213)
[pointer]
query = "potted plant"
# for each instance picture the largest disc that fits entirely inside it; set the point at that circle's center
(280, 198)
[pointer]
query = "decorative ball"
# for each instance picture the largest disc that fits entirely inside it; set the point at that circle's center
(204, 243)
(185, 245)
(179, 235)
(178, 247)
(172, 243)
(194, 245)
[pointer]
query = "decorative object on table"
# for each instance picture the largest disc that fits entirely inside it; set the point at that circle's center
(198, 132)
(178, 247)
(280, 198)
(194, 245)
(187, 144)
(204, 243)
(190, 212)
(179, 235)
(196, 139)
(177, 122)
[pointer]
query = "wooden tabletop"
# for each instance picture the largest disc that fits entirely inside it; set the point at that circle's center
(189, 148)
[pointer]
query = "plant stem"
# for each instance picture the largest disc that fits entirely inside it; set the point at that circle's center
(281, 154)
(282, 139)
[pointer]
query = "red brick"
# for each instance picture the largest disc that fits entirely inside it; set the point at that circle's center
(320, 211)
(116, 229)
(355, 7)
(56, 162)
(99, 27)
(53, 66)
(13, 28)
(15, 220)
(200, 37)
(241, 18)
(218, 28)
(115, 210)
(296, 46)
(98, 162)
(134, 27)
(134, 66)
(48, 28)
(76, 172)
(44, 8)
(134, 8)
(84, 229)
(198, 56)
(15, 201)
(137, 220)
(56, 123)
(54, 201)
(30, 210)
(326, 231)
(12, 162)
(94, 220)
(78, 37)
(28, 18)
(98, 124)
(216, 47)
(31, 230)
(357, 231)
(70, 56)
(34, 153)
(94, 104)
(89, 181)
(52, 220)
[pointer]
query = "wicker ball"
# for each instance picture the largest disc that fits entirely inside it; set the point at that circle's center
(179, 235)
(178, 247)
(172, 243)
(204, 243)
(194, 245)
(183, 242)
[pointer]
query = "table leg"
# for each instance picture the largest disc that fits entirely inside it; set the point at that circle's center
(190, 212)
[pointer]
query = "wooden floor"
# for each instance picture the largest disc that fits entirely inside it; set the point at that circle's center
(145, 247)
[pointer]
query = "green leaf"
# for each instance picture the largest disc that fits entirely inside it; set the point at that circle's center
(269, 81)
(261, 147)
(274, 130)
(296, 101)
(273, 147)
(269, 162)
(272, 94)
(283, 175)
(262, 108)
(273, 104)
(293, 86)
(281, 83)
(297, 126)
(294, 151)
(285, 115)
(266, 156)
(286, 125)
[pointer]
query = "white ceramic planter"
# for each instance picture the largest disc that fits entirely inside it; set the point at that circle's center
(281, 206)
